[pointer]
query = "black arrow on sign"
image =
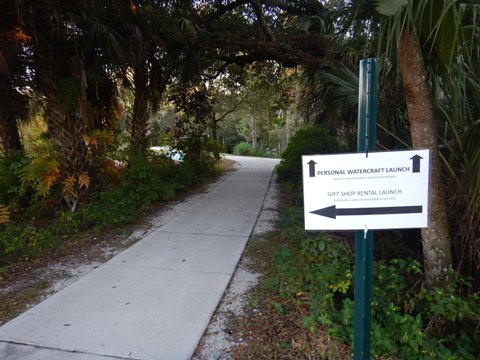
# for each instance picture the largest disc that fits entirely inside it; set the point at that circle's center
(416, 163)
(332, 211)
(311, 167)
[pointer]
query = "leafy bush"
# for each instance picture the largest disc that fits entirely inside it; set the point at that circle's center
(145, 181)
(306, 141)
(313, 274)
(10, 166)
(118, 199)
(215, 147)
(247, 149)
(24, 241)
(421, 323)
(243, 149)
(195, 169)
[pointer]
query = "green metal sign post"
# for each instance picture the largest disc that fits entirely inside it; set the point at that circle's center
(367, 120)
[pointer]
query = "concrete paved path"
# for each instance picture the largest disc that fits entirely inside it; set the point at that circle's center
(155, 299)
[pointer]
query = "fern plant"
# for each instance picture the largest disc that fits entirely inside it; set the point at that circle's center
(41, 174)
(4, 214)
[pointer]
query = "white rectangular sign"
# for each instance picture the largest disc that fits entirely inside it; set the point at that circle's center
(386, 190)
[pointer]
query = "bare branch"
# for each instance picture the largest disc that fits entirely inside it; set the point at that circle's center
(233, 109)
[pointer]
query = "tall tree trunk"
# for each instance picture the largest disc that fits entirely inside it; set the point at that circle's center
(66, 128)
(139, 132)
(61, 79)
(9, 136)
(74, 143)
(253, 129)
(12, 103)
(214, 128)
(423, 128)
(66, 123)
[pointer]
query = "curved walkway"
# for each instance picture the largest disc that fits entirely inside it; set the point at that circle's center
(155, 299)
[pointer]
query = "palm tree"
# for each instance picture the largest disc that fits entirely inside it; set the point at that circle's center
(150, 31)
(433, 54)
(331, 97)
(12, 109)
(60, 76)
(75, 52)
(12, 69)
(424, 133)
(426, 39)
(140, 116)
(458, 106)
(433, 47)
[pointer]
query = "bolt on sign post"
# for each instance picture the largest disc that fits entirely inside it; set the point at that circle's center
(366, 140)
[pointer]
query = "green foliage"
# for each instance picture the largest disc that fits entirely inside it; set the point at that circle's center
(214, 147)
(422, 324)
(41, 172)
(247, 149)
(24, 241)
(315, 272)
(291, 217)
(306, 141)
(11, 165)
(198, 163)
(314, 269)
(145, 181)
(24, 238)
(243, 149)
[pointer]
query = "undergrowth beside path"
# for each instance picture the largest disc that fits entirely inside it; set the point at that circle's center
(34, 263)
(303, 308)
(42, 224)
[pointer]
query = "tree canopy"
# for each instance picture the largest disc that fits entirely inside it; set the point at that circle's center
(98, 72)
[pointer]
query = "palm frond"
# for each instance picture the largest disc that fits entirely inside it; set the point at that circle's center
(340, 87)
(389, 7)
(110, 42)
